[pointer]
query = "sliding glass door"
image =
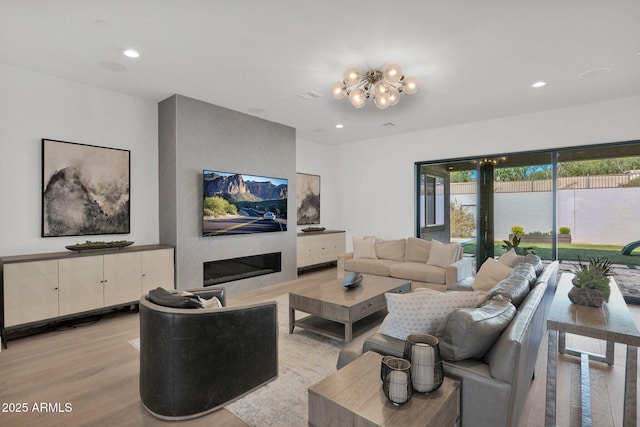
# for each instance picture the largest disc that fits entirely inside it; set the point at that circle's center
(447, 203)
(567, 204)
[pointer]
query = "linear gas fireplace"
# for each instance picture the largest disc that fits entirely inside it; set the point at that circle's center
(228, 270)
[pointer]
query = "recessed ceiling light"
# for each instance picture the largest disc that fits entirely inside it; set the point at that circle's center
(339, 126)
(538, 84)
(131, 53)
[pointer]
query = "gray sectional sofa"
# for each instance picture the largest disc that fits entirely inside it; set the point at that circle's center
(423, 262)
(495, 382)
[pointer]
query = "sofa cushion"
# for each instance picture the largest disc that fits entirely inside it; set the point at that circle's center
(509, 258)
(528, 270)
(491, 272)
(379, 267)
(364, 248)
(515, 287)
(470, 332)
(534, 260)
(418, 271)
(417, 250)
(442, 254)
(421, 312)
(391, 249)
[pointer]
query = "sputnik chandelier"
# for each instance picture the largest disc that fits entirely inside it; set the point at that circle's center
(383, 86)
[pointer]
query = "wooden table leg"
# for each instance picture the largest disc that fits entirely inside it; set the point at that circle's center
(630, 385)
(552, 372)
(292, 318)
(348, 332)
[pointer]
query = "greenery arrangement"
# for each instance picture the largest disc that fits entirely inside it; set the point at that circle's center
(594, 275)
(515, 245)
(88, 244)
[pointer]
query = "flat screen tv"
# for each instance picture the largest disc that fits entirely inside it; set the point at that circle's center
(235, 203)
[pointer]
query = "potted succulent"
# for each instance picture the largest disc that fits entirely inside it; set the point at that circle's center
(591, 282)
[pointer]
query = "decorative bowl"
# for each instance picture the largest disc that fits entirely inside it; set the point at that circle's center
(352, 280)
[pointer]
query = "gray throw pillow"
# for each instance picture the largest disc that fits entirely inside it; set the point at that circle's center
(516, 286)
(161, 296)
(470, 332)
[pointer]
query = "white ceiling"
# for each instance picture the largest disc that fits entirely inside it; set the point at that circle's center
(475, 59)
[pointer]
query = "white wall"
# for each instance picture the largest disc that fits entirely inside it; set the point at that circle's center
(318, 159)
(377, 176)
(607, 216)
(35, 106)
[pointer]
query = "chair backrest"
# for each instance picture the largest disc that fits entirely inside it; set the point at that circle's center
(194, 361)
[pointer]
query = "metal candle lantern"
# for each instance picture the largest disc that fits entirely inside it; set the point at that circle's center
(396, 380)
(423, 352)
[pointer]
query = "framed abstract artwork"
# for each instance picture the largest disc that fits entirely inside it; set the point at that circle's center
(308, 198)
(85, 189)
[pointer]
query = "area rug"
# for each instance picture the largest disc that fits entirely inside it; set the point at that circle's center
(304, 358)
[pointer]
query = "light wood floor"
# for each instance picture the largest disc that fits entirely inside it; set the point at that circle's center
(93, 368)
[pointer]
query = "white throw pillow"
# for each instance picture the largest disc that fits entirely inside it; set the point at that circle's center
(490, 273)
(443, 255)
(422, 312)
(509, 258)
(212, 302)
(481, 295)
(364, 248)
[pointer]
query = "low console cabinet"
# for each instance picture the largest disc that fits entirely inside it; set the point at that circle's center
(42, 288)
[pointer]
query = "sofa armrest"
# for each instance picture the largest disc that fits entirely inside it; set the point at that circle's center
(458, 271)
(340, 264)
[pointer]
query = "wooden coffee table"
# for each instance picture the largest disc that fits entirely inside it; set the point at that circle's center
(353, 396)
(335, 310)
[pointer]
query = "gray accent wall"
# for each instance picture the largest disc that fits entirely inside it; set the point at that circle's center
(195, 135)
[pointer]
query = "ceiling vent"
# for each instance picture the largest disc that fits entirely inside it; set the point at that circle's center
(308, 96)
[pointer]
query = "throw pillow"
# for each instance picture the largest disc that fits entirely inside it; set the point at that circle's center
(482, 296)
(443, 255)
(390, 249)
(516, 286)
(490, 273)
(470, 333)
(509, 258)
(161, 296)
(417, 250)
(536, 261)
(364, 248)
(212, 302)
(421, 312)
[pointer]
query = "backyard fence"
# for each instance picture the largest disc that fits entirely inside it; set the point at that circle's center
(564, 183)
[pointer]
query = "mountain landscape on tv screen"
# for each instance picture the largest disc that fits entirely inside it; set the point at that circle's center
(243, 204)
(240, 190)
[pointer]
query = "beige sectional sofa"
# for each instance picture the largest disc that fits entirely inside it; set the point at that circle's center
(426, 263)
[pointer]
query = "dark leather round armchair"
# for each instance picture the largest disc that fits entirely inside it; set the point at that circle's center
(194, 361)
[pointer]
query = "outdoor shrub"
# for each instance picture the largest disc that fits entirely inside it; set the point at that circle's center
(463, 222)
(564, 230)
(517, 230)
(539, 233)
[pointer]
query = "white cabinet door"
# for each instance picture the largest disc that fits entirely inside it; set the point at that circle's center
(319, 248)
(122, 278)
(81, 284)
(157, 270)
(30, 292)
